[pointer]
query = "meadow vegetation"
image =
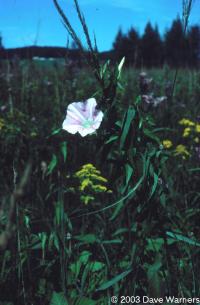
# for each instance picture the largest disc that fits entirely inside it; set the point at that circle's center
(115, 213)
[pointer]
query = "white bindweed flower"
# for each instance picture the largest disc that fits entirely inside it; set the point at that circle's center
(83, 117)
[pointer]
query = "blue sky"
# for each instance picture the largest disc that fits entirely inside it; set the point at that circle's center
(28, 22)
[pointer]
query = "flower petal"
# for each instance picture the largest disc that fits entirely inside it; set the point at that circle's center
(70, 125)
(75, 110)
(90, 107)
(83, 117)
(86, 131)
(98, 119)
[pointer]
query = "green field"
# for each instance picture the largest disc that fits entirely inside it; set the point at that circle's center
(115, 213)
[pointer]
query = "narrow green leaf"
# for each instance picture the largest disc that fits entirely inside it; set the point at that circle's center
(120, 66)
(84, 301)
(111, 139)
(197, 169)
(120, 231)
(52, 164)
(114, 280)
(130, 194)
(58, 299)
(129, 172)
(84, 257)
(56, 131)
(151, 135)
(154, 278)
(117, 210)
(96, 266)
(154, 244)
(112, 241)
(43, 238)
(64, 150)
(183, 238)
(75, 268)
(87, 238)
(155, 183)
(126, 126)
(153, 269)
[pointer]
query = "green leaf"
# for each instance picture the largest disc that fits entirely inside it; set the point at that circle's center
(114, 280)
(111, 139)
(151, 135)
(126, 126)
(183, 238)
(129, 172)
(56, 131)
(58, 299)
(154, 278)
(146, 162)
(197, 169)
(27, 221)
(96, 266)
(87, 238)
(85, 276)
(75, 268)
(104, 68)
(155, 183)
(120, 66)
(56, 242)
(117, 210)
(113, 241)
(84, 257)
(84, 301)
(43, 238)
(64, 150)
(120, 231)
(58, 213)
(130, 194)
(153, 269)
(155, 244)
(52, 164)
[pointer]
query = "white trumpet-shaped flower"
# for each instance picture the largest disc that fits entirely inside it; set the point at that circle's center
(83, 117)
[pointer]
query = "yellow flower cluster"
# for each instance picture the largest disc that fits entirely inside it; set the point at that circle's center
(186, 132)
(186, 122)
(2, 123)
(197, 128)
(167, 143)
(91, 182)
(181, 150)
(190, 128)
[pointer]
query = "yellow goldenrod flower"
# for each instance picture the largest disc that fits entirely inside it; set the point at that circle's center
(86, 199)
(91, 182)
(98, 178)
(186, 132)
(109, 191)
(85, 183)
(99, 188)
(181, 150)
(2, 123)
(89, 166)
(197, 128)
(167, 143)
(87, 170)
(33, 134)
(186, 122)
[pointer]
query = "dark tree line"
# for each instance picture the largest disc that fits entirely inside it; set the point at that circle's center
(175, 48)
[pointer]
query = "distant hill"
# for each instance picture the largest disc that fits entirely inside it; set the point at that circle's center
(46, 52)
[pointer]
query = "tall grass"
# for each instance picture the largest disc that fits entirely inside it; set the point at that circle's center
(129, 224)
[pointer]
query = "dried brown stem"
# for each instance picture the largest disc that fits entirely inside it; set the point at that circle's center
(15, 196)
